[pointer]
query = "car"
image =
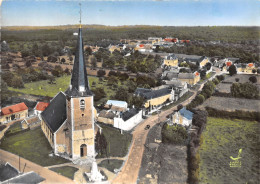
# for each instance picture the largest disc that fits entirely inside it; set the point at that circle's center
(147, 127)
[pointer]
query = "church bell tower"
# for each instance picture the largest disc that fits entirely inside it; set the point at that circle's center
(80, 108)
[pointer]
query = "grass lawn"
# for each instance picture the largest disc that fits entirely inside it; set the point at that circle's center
(223, 138)
(43, 88)
(66, 171)
(15, 128)
(113, 164)
(117, 143)
(31, 145)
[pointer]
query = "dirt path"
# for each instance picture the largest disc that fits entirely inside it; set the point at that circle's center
(130, 171)
(50, 176)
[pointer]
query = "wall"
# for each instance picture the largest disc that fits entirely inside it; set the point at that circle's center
(157, 101)
(18, 115)
(171, 62)
(106, 120)
(204, 62)
(47, 132)
(130, 123)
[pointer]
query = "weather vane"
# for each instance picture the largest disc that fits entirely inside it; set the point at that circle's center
(80, 15)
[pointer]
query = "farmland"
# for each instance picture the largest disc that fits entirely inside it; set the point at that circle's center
(231, 104)
(223, 138)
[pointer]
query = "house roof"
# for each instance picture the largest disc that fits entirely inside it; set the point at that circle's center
(107, 114)
(129, 114)
(172, 75)
(150, 94)
(30, 177)
(55, 114)
(79, 77)
(186, 76)
(13, 109)
(171, 57)
(117, 103)
(185, 113)
(40, 106)
(33, 119)
(7, 171)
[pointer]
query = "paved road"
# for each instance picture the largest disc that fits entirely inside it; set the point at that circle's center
(50, 176)
(130, 171)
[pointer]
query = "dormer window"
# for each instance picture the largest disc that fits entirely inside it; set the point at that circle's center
(82, 104)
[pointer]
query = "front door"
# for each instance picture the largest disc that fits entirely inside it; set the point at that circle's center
(83, 150)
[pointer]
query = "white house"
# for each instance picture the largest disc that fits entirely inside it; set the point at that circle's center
(182, 117)
(127, 120)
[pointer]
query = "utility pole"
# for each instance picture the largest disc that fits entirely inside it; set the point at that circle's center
(19, 163)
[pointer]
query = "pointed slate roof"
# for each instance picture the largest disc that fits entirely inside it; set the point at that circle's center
(55, 114)
(79, 79)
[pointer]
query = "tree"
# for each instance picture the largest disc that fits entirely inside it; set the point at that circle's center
(253, 79)
(62, 60)
(35, 49)
(237, 79)
(46, 51)
(4, 91)
(121, 94)
(101, 73)
(99, 93)
(137, 101)
(17, 82)
(179, 107)
(28, 64)
(88, 51)
(67, 71)
(232, 70)
(52, 80)
(112, 80)
(208, 66)
(244, 90)
(57, 71)
(52, 59)
(25, 53)
(93, 62)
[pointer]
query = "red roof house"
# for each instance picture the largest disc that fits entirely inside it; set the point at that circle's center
(13, 109)
(228, 63)
(250, 64)
(41, 106)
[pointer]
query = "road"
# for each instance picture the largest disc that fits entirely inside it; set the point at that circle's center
(50, 176)
(130, 170)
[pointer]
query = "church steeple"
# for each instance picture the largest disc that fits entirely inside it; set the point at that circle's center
(79, 79)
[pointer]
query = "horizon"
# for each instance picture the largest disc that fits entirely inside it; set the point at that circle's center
(188, 13)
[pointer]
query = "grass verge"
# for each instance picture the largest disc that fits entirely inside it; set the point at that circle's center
(111, 164)
(66, 171)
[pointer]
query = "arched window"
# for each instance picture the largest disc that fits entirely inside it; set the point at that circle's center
(82, 103)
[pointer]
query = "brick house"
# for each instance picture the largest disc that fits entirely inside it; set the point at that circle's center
(14, 112)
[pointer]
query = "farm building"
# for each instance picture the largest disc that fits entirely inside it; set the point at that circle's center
(14, 112)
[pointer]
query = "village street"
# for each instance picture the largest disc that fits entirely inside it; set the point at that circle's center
(130, 170)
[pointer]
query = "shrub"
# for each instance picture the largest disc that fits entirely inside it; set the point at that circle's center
(174, 134)
(253, 79)
(101, 73)
(17, 82)
(232, 70)
(245, 90)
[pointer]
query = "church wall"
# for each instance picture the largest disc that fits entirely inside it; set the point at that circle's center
(61, 146)
(47, 132)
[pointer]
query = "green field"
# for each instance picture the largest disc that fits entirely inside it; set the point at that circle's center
(31, 145)
(66, 171)
(223, 138)
(43, 88)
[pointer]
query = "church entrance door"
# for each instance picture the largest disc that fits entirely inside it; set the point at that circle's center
(83, 150)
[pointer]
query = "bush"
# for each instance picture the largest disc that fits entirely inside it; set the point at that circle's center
(245, 90)
(174, 134)
(232, 70)
(101, 73)
(17, 82)
(99, 93)
(253, 79)
(220, 77)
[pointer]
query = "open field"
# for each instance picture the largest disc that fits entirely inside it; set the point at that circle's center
(66, 171)
(223, 138)
(43, 88)
(231, 104)
(31, 145)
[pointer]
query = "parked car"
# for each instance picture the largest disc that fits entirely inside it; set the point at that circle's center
(147, 127)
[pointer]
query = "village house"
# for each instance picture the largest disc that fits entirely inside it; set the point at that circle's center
(190, 78)
(40, 107)
(155, 39)
(69, 121)
(182, 117)
(116, 106)
(246, 68)
(171, 60)
(31, 122)
(128, 119)
(13, 112)
(180, 88)
(155, 98)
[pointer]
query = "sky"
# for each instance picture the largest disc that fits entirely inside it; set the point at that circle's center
(134, 12)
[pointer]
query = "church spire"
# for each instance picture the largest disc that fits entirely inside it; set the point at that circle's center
(79, 79)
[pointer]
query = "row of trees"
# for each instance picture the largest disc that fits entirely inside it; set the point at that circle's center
(244, 90)
(199, 120)
(207, 90)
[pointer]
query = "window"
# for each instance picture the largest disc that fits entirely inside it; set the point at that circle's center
(82, 103)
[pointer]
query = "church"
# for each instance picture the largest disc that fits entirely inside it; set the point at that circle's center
(69, 121)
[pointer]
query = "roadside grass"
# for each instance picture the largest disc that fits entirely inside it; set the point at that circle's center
(223, 138)
(43, 88)
(31, 145)
(117, 143)
(66, 171)
(180, 100)
(111, 164)
(15, 128)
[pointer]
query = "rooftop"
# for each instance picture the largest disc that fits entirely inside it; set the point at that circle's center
(185, 113)
(13, 109)
(41, 106)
